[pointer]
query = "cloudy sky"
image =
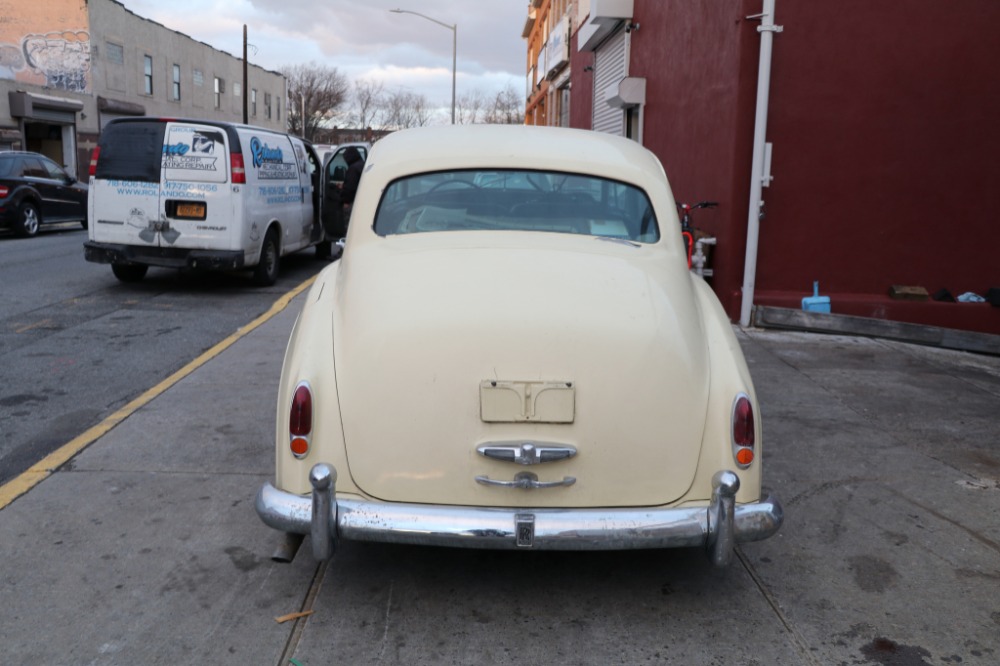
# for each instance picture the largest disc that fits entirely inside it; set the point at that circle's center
(362, 39)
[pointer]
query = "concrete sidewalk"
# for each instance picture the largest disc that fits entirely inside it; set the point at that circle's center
(145, 548)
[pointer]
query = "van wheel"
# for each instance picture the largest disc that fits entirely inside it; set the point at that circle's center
(265, 273)
(28, 219)
(129, 272)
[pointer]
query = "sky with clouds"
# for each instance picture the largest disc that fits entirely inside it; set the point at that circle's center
(364, 40)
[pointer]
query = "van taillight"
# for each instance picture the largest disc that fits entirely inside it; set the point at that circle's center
(300, 421)
(93, 161)
(239, 174)
(743, 431)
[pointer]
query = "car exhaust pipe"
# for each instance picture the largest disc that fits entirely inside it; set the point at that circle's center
(287, 549)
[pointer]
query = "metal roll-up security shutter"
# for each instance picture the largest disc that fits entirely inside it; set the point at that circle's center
(609, 69)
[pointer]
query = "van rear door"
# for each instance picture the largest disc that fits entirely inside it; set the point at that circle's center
(125, 190)
(195, 201)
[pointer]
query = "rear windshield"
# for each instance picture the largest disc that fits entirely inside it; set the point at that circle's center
(131, 151)
(516, 200)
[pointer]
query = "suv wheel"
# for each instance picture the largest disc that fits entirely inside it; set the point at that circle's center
(28, 219)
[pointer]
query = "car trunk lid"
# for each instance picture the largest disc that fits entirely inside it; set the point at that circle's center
(444, 348)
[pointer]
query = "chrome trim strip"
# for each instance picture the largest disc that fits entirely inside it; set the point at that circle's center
(526, 453)
(554, 529)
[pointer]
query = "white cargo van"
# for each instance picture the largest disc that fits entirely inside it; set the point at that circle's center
(202, 195)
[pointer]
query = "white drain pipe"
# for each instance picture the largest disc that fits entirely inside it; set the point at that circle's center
(766, 30)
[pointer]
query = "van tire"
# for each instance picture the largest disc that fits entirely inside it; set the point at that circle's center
(28, 219)
(265, 273)
(129, 272)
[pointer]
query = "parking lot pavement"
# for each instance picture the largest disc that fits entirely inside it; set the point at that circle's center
(145, 548)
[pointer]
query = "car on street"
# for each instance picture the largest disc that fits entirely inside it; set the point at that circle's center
(512, 353)
(34, 191)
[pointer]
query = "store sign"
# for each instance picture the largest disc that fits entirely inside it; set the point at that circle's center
(557, 48)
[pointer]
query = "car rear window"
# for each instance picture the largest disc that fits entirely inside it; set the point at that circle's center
(516, 200)
(131, 151)
(6, 165)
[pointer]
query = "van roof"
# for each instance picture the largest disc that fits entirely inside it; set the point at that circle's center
(199, 121)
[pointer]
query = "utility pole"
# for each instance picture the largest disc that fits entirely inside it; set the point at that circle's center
(246, 117)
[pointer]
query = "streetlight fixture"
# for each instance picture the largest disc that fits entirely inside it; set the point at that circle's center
(454, 50)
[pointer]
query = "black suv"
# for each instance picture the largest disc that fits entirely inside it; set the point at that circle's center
(34, 190)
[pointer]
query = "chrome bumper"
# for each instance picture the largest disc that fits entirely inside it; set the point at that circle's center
(327, 518)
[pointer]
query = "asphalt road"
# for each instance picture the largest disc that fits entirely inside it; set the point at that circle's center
(145, 549)
(76, 344)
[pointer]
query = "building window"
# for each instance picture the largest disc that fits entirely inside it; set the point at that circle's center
(253, 102)
(277, 106)
(564, 107)
(220, 90)
(147, 74)
(116, 53)
(177, 83)
(267, 105)
(197, 77)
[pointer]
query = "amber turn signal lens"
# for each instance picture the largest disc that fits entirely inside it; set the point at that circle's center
(744, 456)
(299, 446)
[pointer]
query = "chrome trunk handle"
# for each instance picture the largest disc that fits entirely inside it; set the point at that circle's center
(526, 481)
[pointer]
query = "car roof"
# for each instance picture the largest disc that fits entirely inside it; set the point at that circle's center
(563, 149)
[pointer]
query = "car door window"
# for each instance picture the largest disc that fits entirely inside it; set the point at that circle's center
(33, 168)
(54, 171)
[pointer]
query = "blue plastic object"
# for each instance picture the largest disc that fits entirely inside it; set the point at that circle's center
(816, 303)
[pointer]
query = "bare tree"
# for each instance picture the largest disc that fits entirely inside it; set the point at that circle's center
(404, 109)
(367, 104)
(318, 91)
(507, 109)
(470, 108)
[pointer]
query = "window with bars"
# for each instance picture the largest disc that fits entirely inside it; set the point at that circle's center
(147, 74)
(176, 91)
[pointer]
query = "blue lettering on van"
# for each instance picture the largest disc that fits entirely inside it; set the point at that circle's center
(263, 153)
(175, 149)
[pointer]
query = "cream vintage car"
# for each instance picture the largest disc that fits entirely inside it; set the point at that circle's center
(512, 353)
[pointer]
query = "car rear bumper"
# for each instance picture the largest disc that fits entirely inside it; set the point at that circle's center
(167, 257)
(327, 518)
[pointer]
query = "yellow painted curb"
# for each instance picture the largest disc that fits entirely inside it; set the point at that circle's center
(38, 472)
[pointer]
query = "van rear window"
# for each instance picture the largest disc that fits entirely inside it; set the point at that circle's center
(131, 151)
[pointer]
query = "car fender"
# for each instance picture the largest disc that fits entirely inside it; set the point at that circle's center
(730, 376)
(309, 358)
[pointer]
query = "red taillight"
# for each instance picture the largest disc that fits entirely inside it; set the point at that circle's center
(300, 420)
(4, 191)
(239, 173)
(93, 161)
(743, 431)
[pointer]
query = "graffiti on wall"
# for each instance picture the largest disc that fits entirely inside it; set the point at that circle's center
(46, 44)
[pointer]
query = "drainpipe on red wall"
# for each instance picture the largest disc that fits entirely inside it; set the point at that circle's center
(766, 30)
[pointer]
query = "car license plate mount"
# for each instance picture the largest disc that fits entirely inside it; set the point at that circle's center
(524, 530)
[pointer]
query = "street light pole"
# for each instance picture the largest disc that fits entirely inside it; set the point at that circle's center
(454, 50)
